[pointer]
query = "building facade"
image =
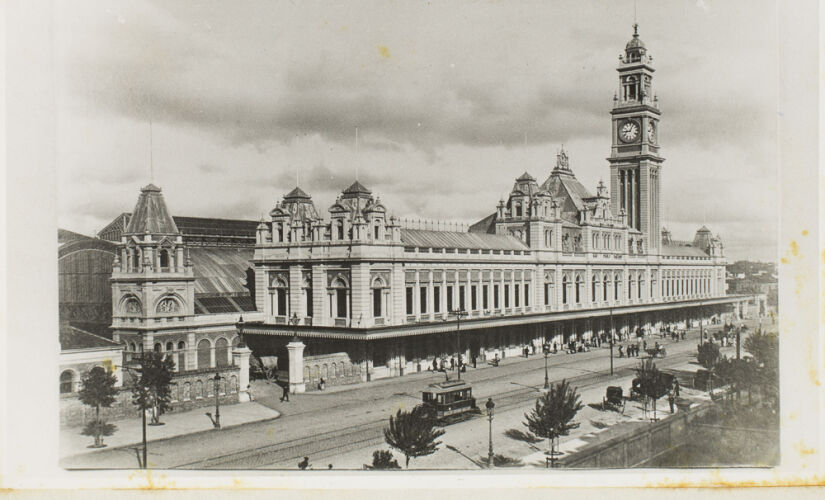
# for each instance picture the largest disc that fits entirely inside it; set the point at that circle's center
(358, 295)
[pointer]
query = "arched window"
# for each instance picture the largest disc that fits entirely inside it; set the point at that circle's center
(204, 354)
(376, 230)
(164, 259)
(198, 390)
(221, 352)
(339, 298)
(339, 227)
(595, 281)
(606, 241)
(578, 289)
(158, 347)
(595, 240)
(518, 209)
(565, 284)
(640, 287)
(547, 237)
(617, 287)
(170, 346)
(67, 382)
(605, 282)
(278, 295)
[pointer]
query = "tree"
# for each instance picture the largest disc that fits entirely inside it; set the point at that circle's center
(652, 382)
(151, 390)
(98, 390)
(554, 413)
(382, 460)
(413, 433)
(765, 350)
(708, 356)
(98, 428)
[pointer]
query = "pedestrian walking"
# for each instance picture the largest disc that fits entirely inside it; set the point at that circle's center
(621, 354)
(676, 387)
(285, 395)
(670, 400)
(452, 363)
(475, 360)
(249, 392)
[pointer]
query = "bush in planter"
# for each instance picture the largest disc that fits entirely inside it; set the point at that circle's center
(98, 429)
(382, 460)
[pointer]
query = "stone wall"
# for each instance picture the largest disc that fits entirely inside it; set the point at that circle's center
(336, 369)
(192, 390)
(638, 446)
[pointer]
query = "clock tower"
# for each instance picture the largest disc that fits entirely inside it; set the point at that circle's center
(635, 164)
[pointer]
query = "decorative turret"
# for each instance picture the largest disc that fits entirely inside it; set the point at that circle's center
(154, 279)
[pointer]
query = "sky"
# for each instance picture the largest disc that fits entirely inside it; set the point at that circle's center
(452, 101)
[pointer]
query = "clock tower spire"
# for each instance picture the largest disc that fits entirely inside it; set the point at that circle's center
(635, 163)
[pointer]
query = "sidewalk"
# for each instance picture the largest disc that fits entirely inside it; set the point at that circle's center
(129, 432)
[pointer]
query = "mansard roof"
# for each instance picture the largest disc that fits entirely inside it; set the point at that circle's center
(150, 214)
(568, 191)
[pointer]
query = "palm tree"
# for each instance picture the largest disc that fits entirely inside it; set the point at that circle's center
(554, 413)
(413, 433)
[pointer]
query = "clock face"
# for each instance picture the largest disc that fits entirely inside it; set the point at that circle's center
(651, 132)
(629, 131)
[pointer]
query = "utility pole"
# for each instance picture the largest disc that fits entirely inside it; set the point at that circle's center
(458, 313)
(611, 341)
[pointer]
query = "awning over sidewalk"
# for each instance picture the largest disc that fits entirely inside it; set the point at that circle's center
(384, 332)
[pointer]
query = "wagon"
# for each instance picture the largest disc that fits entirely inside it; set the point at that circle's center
(613, 399)
(450, 402)
(655, 352)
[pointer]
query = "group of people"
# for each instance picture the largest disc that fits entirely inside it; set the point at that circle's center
(442, 365)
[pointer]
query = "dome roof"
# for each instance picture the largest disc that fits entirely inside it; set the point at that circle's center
(635, 42)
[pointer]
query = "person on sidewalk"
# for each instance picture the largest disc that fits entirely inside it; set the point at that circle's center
(670, 400)
(285, 396)
(249, 392)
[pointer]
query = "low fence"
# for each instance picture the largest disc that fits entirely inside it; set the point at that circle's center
(335, 369)
(189, 390)
(640, 445)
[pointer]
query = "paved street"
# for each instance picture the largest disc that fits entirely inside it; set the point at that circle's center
(343, 426)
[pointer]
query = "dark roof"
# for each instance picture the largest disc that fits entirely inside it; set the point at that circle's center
(678, 250)
(526, 177)
(485, 225)
(297, 193)
(66, 236)
(204, 226)
(72, 338)
(220, 270)
(357, 188)
(150, 214)
(448, 239)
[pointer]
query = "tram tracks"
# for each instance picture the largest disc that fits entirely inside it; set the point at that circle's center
(363, 435)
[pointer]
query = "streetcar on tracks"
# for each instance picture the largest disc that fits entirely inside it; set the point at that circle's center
(450, 402)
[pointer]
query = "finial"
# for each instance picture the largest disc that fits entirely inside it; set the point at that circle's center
(635, 30)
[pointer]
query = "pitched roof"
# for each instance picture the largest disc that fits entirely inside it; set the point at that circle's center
(682, 250)
(72, 338)
(526, 177)
(485, 225)
(356, 188)
(297, 193)
(448, 239)
(220, 270)
(150, 214)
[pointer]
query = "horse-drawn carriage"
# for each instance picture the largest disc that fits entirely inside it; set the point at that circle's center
(613, 399)
(656, 352)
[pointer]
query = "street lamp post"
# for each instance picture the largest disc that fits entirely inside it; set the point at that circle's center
(458, 313)
(546, 375)
(611, 341)
(295, 320)
(240, 325)
(490, 405)
(217, 422)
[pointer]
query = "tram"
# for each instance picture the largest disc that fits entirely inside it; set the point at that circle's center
(450, 401)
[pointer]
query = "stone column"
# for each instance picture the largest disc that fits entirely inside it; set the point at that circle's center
(240, 357)
(296, 367)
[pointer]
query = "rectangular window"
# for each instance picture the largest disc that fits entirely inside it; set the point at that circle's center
(422, 292)
(547, 294)
(449, 298)
(281, 303)
(526, 295)
(495, 296)
(376, 302)
(473, 297)
(436, 299)
(410, 300)
(485, 303)
(341, 296)
(506, 295)
(461, 298)
(309, 302)
(517, 295)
